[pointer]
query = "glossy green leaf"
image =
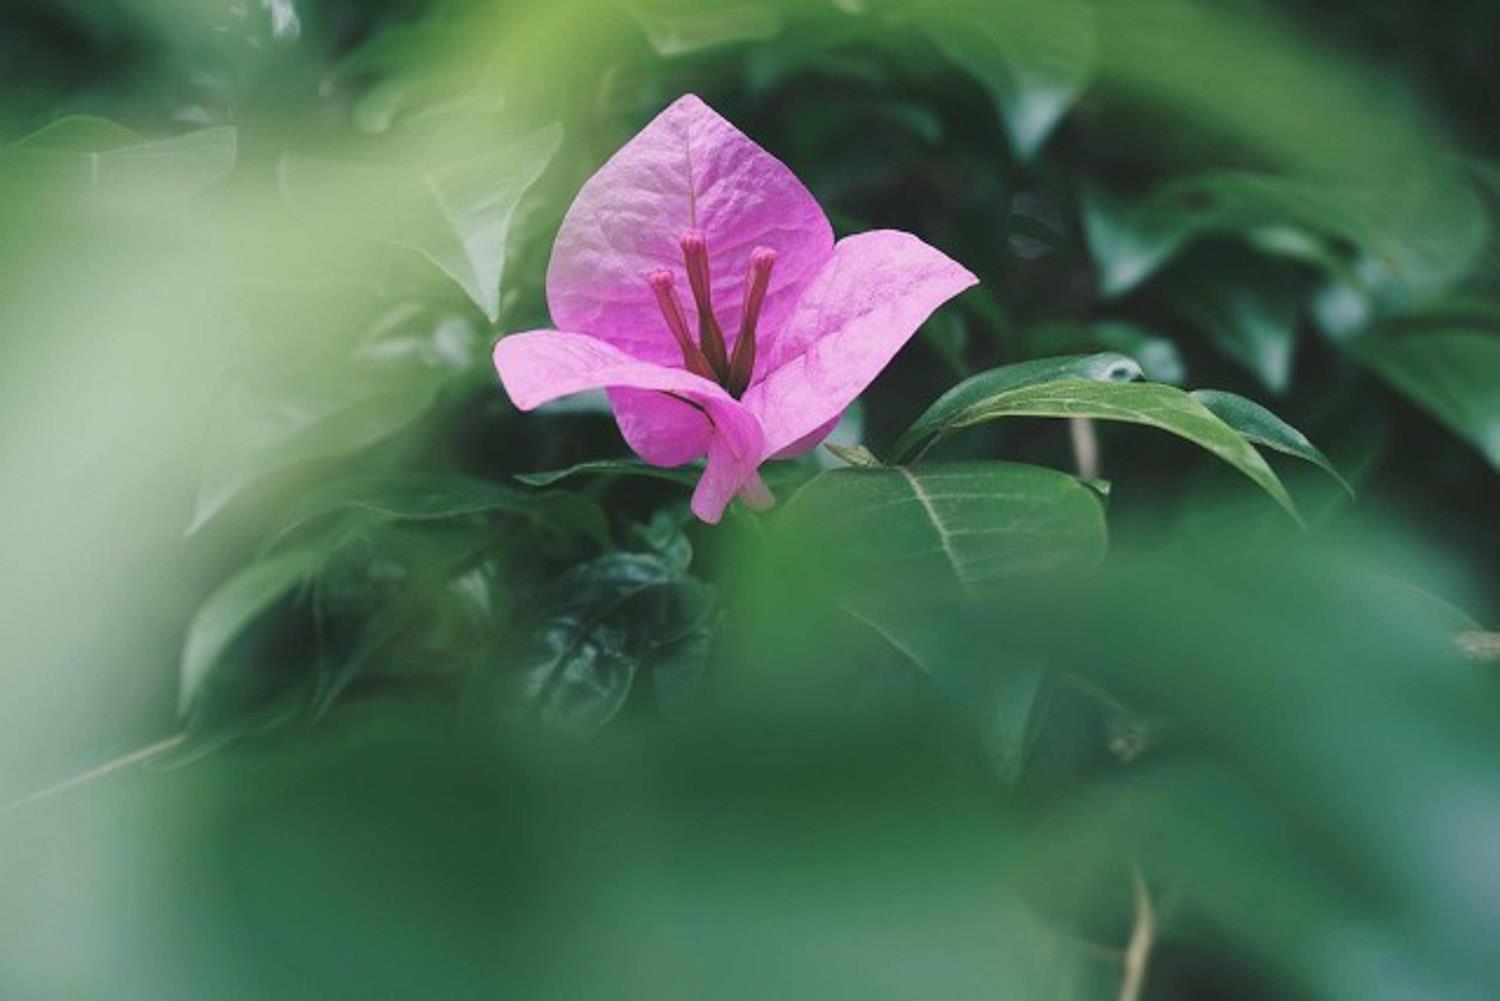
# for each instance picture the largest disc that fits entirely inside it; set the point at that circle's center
(1262, 427)
(595, 630)
(454, 212)
(950, 410)
(1152, 404)
(1452, 374)
(968, 523)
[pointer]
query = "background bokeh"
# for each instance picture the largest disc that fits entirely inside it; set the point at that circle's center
(419, 727)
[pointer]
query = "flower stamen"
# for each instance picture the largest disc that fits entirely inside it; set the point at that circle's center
(757, 280)
(710, 336)
(671, 310)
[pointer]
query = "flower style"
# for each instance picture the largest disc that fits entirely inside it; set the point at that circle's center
(692, 200)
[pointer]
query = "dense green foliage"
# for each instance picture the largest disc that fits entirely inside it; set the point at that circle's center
(1129, 640)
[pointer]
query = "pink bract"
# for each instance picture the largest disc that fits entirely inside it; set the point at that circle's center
(832, 317)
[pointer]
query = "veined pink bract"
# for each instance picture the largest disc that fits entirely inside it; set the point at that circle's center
(779, 329)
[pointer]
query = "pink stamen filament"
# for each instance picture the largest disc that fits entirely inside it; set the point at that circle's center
(710, 336)
(757, 280)
(671, 310)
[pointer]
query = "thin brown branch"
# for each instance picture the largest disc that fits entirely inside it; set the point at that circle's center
(108, 768)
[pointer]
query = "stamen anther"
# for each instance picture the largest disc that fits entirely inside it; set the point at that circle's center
(671, 310)
(757, 280)
(710, 336)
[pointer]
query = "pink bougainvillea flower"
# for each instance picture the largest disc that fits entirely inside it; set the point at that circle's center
(698, 281)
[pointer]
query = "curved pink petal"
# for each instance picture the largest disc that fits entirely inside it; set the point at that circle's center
(808, 442)
(659, 428)
(856, 314)
(542, 365)
(687, 169)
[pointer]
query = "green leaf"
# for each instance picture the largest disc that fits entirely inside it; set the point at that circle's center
(1426, 233)
(683, 29)
(687, 475)
(1248, 307)
(1452, 374)
(1152, 404)
(855, 455)
(599, 627)
(1033, 59)
(421, 497)
(80, 134)
(233, 606)
(109, 161)
(964, 524)
(455, 212)
(949, 410)
(907, 548)
(260, 435)
(1262, 427)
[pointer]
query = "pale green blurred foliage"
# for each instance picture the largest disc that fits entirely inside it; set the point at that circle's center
(1330, 807)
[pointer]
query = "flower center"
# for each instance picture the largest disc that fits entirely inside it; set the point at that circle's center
(708, 356)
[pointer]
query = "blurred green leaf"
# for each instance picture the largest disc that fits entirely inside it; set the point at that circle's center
(233, 606)
(1034, 59)
(1425, 232)
(951, 409)
(456, 212)
(260, 435)
(1452, 374)
(1252, 321)
(436, 497)
(911, 550)
(1261, 426)
(103, 160)
(682, 29)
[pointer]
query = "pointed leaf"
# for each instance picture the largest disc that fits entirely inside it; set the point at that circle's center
(1262, 427)
(977, 390)
(1165, 407)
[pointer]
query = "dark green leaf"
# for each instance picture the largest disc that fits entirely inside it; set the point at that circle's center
(595, 630)
(1165, 407)
(949, 410)
(967, 523)
(431, 497)
(687, 475)
(231, 608)
(1262, 427)
(1425, 233)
